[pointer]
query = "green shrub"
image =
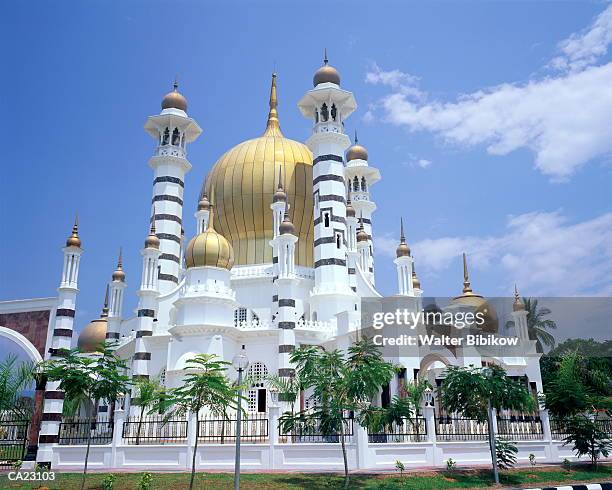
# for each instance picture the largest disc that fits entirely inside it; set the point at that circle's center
(451, 464)
(399, 466)
(567, 465)
(109, 481)
(145, 481)
(532, 459)
(505, 451)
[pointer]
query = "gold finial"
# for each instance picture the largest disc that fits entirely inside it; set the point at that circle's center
(105, 308)
(273, 125)
(466, 278)
(152, 241)
(402, 250)
(402, 236)
(280, 177)
(518, 302)
(356, 140)
(325, 60)
(175, 84)
(74, 240)
(119, 275)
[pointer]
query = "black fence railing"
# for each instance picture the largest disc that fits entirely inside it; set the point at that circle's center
(559, 431)
(155, 430)
(460, 429)
(521, 428)
(312, 431)
(410, 430)
(254, 428)
(75, 430)
(13, 440)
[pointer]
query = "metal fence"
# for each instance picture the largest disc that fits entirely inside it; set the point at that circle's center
(155, 430)
(558, 428)
(460, 429)
(522, 428)
(13, 440)
(311, 431)
(76, 430)
(410, 430)
(253, 428)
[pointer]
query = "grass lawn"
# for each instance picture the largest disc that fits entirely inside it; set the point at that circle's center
(526, 477)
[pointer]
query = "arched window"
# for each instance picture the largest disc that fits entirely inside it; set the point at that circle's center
(334, 112)
(166, 136)
(364, 186)
(326, 220)
(324, 112)
(257, 393)
(356, 183)
(176, 137)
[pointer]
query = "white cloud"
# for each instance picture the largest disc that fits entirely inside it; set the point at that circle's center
(563, 119)
(543, 252)
(424, 163)
(584, 49)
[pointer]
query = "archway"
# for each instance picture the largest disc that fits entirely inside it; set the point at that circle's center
(22, 342)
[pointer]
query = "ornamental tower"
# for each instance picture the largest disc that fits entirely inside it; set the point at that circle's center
(61, 341)
(327, 105)
(352, 255)
(519, 315)
(405, 266)
(172, 129)
(116, 289)
(359, 177)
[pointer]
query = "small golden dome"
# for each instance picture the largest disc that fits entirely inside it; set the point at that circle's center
(350, 210)
(204, 203)
(280, 195)
(416, 284)
(209, 249)
(93, 336)
(174, 100)
(286, 227)
(118, 274)
(326, 74)
(74, 240)
(356, 151)
(402, 250)
(362, 236)
(518, 304)
(152, 241)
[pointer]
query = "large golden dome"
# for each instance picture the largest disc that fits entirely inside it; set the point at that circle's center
(242, 184)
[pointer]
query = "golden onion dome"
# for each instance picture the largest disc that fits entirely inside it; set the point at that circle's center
(118, 274)
(518, 304)
(350, 210)
(476, 302)
(242, 186)
(402, 250)
(92, 337)
(326, 74)
(356, 151)
(362, 236)
(209, 249)
(286, 227)
(174, 99)
(280, 195)
(416, 283)
(74, 240)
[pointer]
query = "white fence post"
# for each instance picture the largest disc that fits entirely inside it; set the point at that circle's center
(117, 430)
(361, 445)
(273, 414)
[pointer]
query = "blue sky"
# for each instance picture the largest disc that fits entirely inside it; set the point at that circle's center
(489, 121)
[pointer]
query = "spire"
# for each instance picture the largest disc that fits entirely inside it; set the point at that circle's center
(518, 302)
(152, 241)
(402, 250)
(119, 275)
(273, 125)
(105, 308)
(356, 140)
(175, 84)
(74, 240)
(466, 278)
(280, 178)
(325, 60)
(280, 195)
(402, 236)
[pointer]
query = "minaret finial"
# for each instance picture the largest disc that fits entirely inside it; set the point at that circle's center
(402, 236)
(280, 178)
(74, 240)
(356, 140)
(105, 307)
(175, 83)
(273, 125)
(120, 258)
(325, 60)
(466, 278)
(152, 229)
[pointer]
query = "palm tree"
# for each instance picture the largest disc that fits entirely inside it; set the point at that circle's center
(288, 388)
(537, 324)
(149, 392)
(14, 380)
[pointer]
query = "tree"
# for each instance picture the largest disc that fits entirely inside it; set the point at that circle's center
(473, 391)
(149, 393)
(340, 384)
(587, 438)
(15, 378)
(537, 324)
(205, 385)
(288, 388)
(93, 377)
(414, 393)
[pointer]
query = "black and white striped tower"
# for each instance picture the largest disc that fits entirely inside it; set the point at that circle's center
(278, 206)
(148, 295)
(360, 176)
(61, 341)
(287, 285)
(172, 129)
(116, 287)
(352, 255)
(328, 106)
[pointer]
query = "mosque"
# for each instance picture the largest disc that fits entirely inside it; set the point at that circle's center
(283, 257)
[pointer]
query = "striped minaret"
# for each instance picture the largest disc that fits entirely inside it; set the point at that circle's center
(360, 176)
(404, 265)
(116, 287)
(352, 255)
(148, 295)
(61, 341)
(328, 106)
(172, 129)
(279, 203)
(287, 287)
